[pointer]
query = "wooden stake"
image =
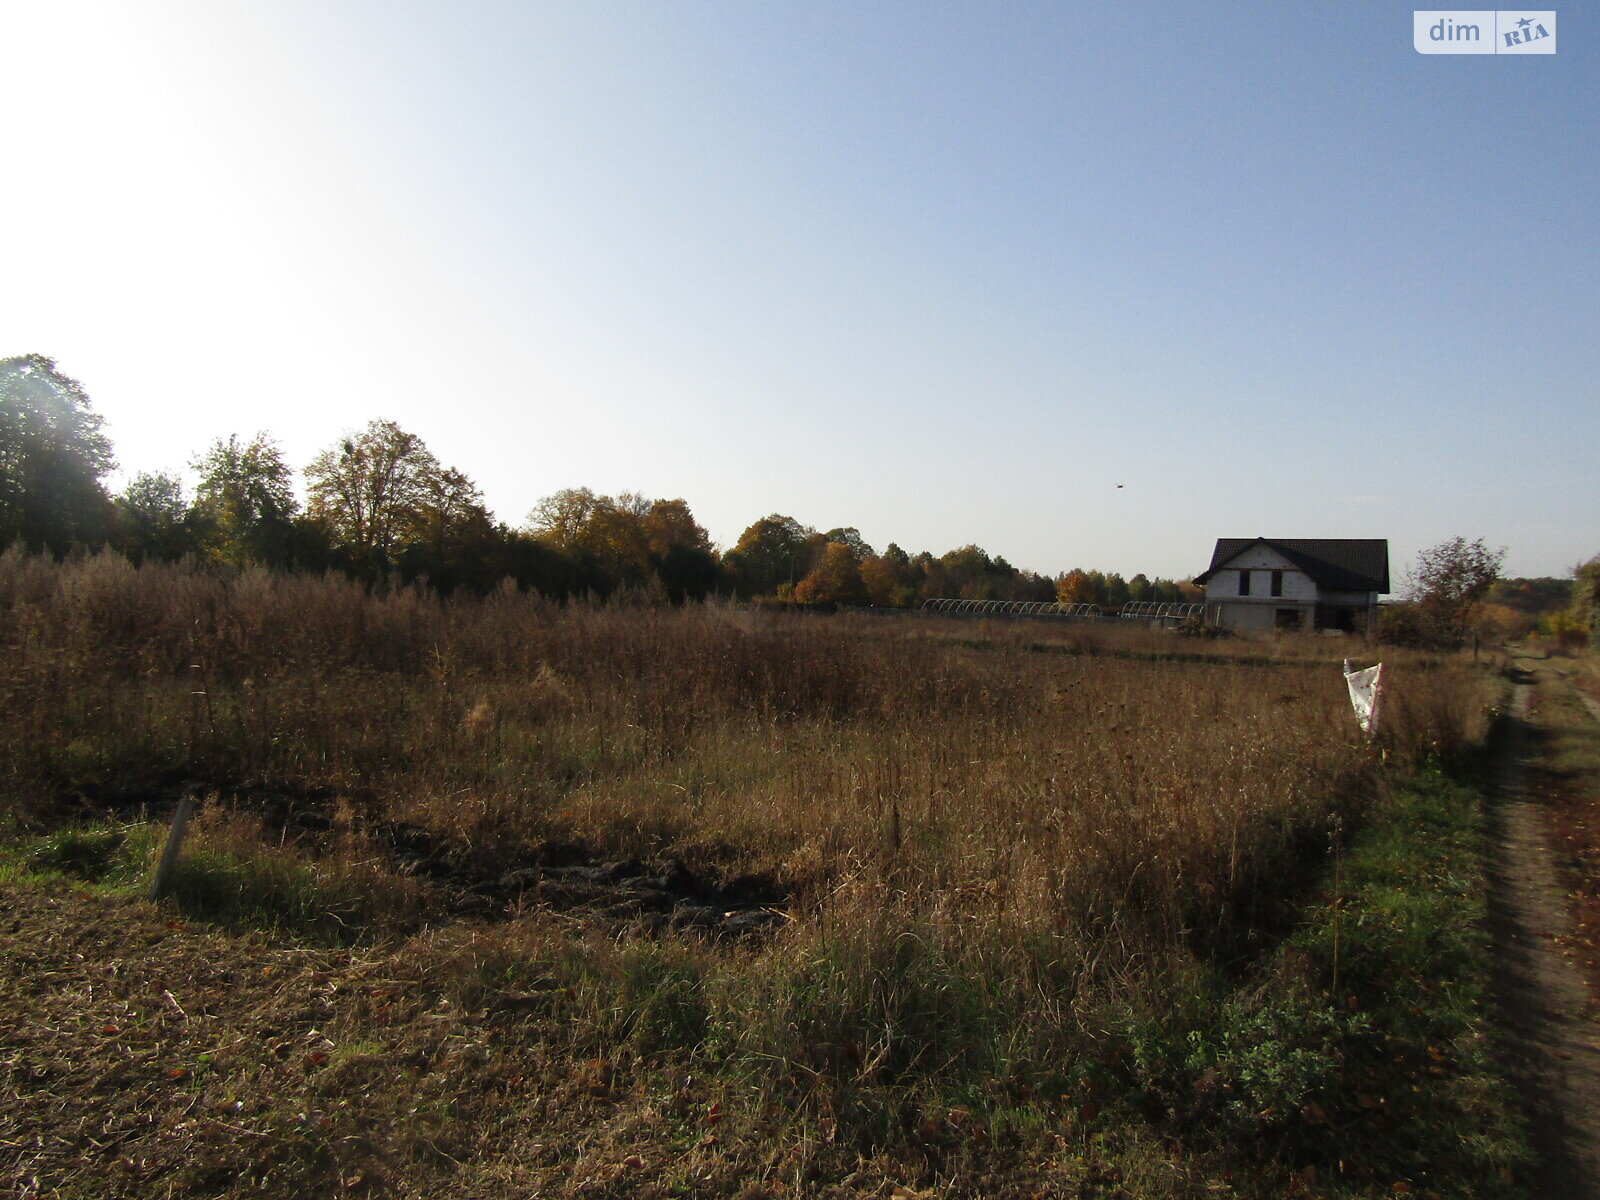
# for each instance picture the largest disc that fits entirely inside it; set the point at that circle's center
(169, 855)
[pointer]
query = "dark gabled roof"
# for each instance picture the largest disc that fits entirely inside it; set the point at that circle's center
(1336, 564)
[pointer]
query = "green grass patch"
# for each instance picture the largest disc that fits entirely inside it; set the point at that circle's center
(238, 881)
(227, 873)
(102, 857)
(1571, 747)
(1401, 942)
(1357, 1059)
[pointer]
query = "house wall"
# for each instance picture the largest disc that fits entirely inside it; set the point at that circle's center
(1363, 618)
(1297, 585)
(1255, 615)
(1258, 611)
(1354, 599)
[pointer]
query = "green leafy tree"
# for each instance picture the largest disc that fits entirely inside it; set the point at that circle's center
(245, 504)
(373, 491)
(53, 456)
(450, 514)
(453, 541)
(1586, 597)
(1117, 592)
(686, 566)
(616, 537)
(669, 523)
(154, 519)
(849, 536)
(967, 561)
(966, 572)
(1167, 591)
(775, 550)
(629, 541)
(1535, 597)
(561, 520)
(687, 572)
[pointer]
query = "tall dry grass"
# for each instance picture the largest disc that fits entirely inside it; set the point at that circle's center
(978, 826)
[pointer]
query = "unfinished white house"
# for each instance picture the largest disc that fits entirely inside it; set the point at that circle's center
(1296, 583)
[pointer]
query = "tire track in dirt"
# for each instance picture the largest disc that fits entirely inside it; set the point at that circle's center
(1553, 1048)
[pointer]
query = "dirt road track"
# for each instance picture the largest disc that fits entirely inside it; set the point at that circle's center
(1554, 1047)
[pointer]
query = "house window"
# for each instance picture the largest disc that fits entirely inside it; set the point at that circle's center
(1277, 583)
(1244, 583)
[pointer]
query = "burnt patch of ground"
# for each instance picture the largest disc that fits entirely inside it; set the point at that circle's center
(661, 894)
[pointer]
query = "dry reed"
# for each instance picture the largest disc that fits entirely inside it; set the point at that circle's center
(1036, 810)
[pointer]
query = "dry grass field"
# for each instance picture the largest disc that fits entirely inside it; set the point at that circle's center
(631, 901)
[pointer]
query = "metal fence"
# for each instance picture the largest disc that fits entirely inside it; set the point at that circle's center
(1165, 611)
(1011, 608)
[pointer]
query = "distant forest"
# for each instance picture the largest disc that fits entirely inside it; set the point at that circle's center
(1516, 607)
(379, 506)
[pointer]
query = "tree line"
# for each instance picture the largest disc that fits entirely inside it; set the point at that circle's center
(378, 504)
(1581, 620)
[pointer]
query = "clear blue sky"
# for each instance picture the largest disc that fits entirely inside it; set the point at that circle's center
(945, 272)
